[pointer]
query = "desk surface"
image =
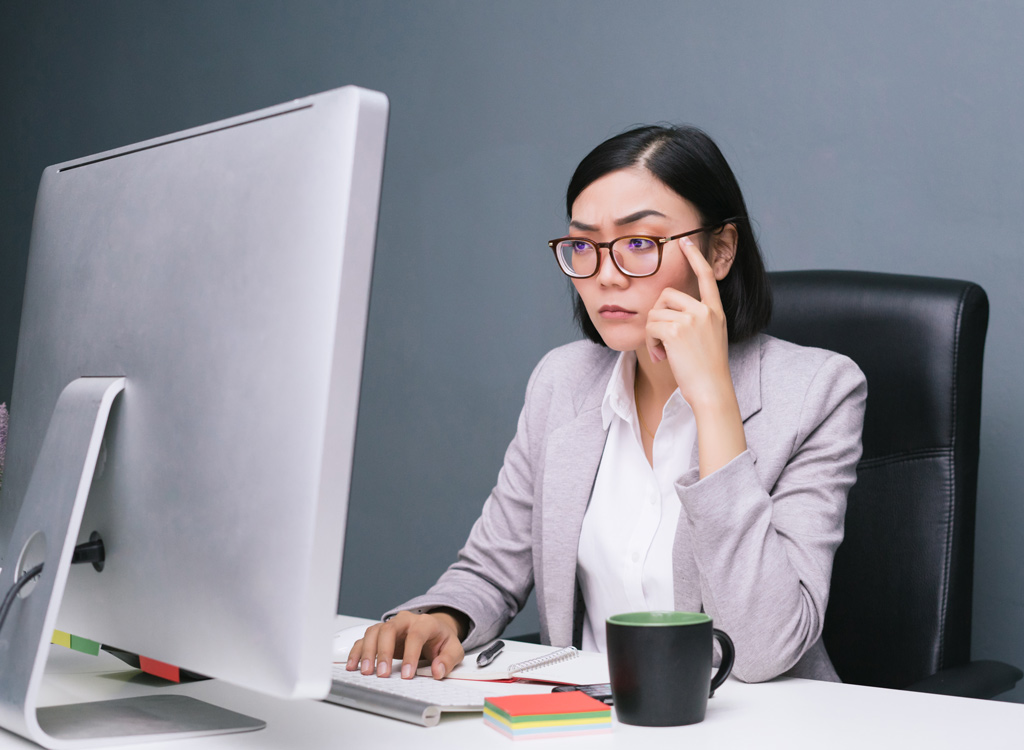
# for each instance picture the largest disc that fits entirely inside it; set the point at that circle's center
(784, 713)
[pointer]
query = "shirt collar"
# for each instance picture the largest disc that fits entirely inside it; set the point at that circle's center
(618, 396)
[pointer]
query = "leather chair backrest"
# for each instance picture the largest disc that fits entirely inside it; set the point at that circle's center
(900, 601)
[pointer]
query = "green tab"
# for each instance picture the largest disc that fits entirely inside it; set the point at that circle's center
(85, 645)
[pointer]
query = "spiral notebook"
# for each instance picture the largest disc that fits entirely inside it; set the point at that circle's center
(529, 662)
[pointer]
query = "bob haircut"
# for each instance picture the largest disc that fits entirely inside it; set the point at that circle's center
(688, 161)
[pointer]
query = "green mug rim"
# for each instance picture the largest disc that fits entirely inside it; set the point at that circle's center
(659, 619)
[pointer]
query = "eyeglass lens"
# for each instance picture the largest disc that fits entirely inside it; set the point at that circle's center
(636, 256)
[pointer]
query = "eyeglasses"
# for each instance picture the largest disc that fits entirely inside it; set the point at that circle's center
(634, 255)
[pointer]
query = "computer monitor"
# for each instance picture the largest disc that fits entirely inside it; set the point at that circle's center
(186, 386)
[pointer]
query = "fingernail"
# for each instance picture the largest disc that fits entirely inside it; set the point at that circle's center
(382, 668)
(367, 667)
(407, 671)
(351, 663)
(440, 671)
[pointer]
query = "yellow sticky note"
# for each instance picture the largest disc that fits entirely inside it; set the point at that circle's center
(61, 638)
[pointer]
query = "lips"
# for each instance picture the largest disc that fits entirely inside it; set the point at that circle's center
(614, 312)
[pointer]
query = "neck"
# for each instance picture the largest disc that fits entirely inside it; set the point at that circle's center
(654, 379)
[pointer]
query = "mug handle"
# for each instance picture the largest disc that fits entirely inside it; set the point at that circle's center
(725, 667)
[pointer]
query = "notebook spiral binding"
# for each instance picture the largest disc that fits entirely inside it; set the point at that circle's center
(563, 654)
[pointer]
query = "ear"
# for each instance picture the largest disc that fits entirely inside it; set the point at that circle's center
(723, 250)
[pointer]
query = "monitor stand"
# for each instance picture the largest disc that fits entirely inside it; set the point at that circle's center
(47, 531)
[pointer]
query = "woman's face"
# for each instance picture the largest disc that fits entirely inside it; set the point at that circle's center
(633, 201)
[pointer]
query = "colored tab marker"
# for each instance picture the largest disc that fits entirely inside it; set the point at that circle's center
(61, 638)
(547, 715)
(159, 669)
(85, 645)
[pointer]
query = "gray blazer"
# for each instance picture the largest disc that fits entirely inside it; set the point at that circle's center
(754, 541)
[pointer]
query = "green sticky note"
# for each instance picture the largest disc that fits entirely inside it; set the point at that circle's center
(85, 645)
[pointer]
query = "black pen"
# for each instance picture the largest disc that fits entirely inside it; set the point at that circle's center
(489, 654)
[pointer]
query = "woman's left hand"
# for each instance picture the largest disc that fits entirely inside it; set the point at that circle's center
(692, 334)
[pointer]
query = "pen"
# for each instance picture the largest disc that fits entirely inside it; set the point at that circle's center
(489, 654)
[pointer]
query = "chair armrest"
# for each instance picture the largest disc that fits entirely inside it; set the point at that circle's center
(977, 679)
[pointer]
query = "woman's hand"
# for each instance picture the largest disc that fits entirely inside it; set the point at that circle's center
(434, 637)
(692, 334)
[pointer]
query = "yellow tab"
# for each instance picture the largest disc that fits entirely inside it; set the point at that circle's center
(61, 638)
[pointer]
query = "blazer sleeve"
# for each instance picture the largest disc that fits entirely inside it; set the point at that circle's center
(765, 557)
(493, 574)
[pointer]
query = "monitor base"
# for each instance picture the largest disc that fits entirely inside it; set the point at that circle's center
(143, 719)
(46, 532)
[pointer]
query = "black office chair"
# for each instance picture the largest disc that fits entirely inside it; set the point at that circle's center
(899, 612)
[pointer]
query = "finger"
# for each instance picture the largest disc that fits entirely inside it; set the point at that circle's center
(386, 648)
(414, 641)
(672, 300)
(655, 346)
(447, 659)
(706, 282)
(369, 650)
(678, 320)
(353, 656)
(670, 306)
(661, 333)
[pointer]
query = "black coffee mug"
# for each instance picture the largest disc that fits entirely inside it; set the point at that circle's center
(660, 665)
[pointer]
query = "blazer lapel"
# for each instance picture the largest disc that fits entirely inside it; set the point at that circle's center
(573, 456)
(745, 368)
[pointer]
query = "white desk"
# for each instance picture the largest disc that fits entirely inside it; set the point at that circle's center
(785, 713)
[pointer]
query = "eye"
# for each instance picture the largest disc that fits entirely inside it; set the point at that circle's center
(639, 244)
(579, 247)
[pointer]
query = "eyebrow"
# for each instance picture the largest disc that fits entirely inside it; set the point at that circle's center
(633, 217)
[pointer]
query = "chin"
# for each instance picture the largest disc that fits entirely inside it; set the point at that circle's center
(620, 343)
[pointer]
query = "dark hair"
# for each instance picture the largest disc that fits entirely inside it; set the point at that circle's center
(688, 161)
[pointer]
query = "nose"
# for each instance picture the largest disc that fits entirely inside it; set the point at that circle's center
(608, 274)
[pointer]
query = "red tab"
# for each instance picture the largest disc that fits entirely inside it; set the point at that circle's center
(159, 669)
(547, 703)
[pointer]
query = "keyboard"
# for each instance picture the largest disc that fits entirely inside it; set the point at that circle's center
(419, 700)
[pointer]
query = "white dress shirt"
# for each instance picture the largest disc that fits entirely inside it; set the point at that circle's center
(625, 549)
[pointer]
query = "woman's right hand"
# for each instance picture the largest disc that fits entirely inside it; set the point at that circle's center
(433, 637)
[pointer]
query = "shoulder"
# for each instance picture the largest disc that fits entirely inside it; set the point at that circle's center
(574, 375)
(810, 383)
(785, 360)
(577, 361)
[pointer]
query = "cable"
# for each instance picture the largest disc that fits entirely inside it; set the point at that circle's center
(27, 576)
(91, 551)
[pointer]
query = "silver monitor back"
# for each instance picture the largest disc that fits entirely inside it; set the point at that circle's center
(224, 272)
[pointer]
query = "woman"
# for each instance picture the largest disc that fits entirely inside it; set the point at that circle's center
(677, 460)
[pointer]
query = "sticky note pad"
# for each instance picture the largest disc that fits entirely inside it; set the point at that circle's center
(547, 715)
(85, 645)
(61, 638)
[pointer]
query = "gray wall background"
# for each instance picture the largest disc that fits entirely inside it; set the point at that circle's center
(871, 135)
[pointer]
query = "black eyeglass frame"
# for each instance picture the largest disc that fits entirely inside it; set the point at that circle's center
(660, 241)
